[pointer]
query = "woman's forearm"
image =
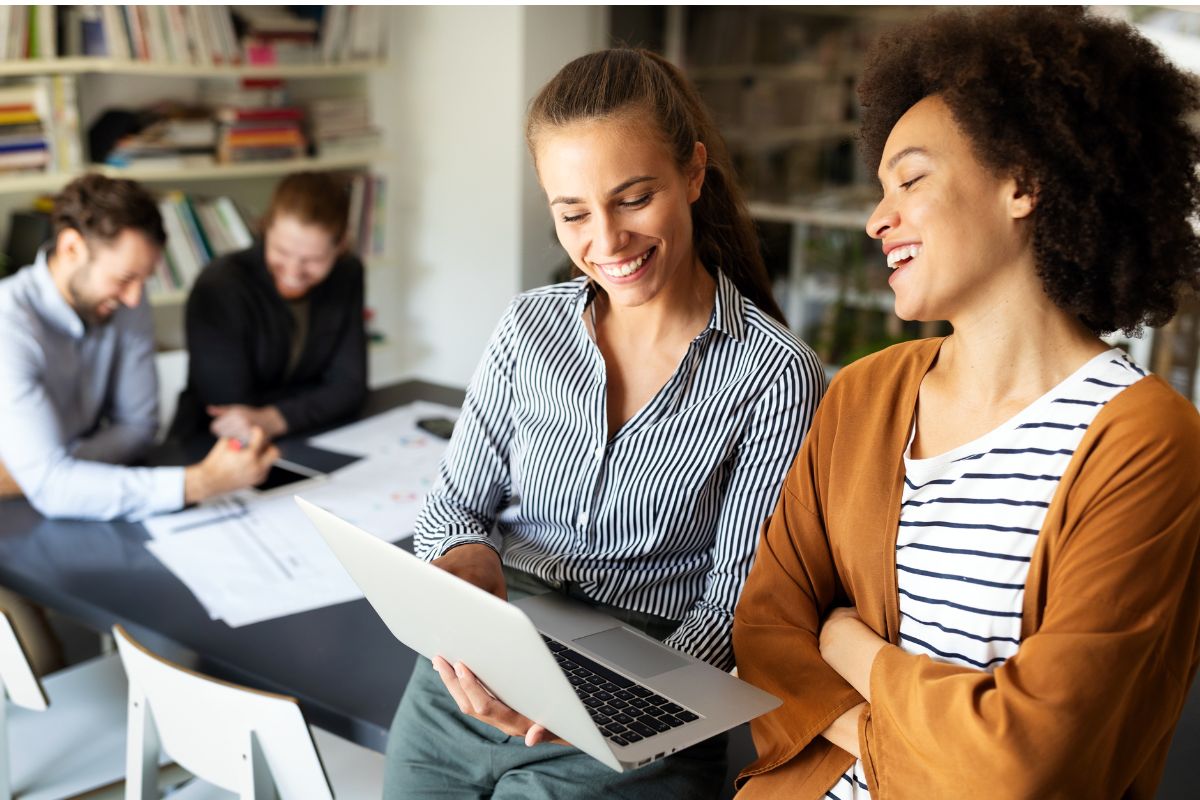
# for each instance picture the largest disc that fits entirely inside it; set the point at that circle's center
(843, 731)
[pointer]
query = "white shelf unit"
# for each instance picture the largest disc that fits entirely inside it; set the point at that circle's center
(53, 181)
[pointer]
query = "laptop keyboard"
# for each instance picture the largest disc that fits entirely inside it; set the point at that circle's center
(625, 712)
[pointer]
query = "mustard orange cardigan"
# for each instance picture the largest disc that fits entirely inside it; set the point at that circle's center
(1110, 627)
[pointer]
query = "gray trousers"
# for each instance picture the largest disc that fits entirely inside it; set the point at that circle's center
(435, 751)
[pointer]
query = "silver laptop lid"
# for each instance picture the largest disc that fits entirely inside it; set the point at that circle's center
(436, 613)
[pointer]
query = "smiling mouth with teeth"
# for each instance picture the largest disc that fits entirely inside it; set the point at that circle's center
(902, 255)
(629, 267)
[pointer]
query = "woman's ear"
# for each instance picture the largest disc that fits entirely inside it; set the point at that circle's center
(697, 168)
(1022, 198)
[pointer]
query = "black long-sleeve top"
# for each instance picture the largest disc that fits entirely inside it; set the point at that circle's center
(239, 337)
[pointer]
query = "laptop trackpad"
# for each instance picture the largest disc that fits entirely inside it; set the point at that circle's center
(633, 653)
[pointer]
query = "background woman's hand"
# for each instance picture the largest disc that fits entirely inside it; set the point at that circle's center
(237, 421)
(474, 700)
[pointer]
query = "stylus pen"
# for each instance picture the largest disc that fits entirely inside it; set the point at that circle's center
(300, 469)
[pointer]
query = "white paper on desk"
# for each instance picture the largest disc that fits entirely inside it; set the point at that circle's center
(382, 494)
(265, 562)
(393, 432)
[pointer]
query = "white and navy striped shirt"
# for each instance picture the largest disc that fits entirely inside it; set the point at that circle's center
(969, 521)
(664, 517)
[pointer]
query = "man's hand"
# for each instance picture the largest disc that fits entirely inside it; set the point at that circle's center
(229, 466)
(236, 421)
(8, 487)
(476, 701)
(477, 564)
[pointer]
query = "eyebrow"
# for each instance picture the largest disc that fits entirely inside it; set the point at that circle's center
(908, 151)
(620, 188)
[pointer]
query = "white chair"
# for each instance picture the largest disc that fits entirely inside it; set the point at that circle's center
(65, 734)
(251, 743)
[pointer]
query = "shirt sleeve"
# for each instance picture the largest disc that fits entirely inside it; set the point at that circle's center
(779, 421)
(131, 413)
(343, 385)
(473, 480)
(57, 481)
(792, 585)
(1103, 677)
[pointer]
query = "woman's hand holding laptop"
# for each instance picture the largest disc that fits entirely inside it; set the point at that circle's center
(479, 564)
(474, 700)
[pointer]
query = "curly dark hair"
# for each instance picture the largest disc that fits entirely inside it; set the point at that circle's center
(1086, 113)
(100, 208)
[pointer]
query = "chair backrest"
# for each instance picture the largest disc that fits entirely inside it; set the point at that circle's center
(245, 741)
(16, 675)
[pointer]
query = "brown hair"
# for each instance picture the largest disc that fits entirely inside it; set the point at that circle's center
(611, 82)
(314, 198)
(100, 208)
(1087, 112)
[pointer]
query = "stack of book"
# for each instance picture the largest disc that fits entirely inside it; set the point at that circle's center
(24, 140)
(198, 230)
(260, 134)
(342, 127)
(276, 35)
(171, 143)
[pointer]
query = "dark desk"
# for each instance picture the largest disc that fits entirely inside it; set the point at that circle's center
(340, 662)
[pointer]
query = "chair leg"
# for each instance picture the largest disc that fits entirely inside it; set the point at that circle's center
(260, 784)
(141, 752)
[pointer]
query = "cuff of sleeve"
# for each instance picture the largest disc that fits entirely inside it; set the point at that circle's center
(450, 542)
(706, 636)
(167, 493)
(866, 755)
(290, 412)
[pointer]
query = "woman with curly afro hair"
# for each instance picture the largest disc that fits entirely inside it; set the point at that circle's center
(982, 576)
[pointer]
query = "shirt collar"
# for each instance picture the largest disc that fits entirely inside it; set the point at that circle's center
(54, 307)
(729, 307)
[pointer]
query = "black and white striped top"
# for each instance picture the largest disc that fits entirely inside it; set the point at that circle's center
(969, 521)
(664, 517)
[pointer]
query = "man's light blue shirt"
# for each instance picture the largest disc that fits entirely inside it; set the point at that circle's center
(76, 402)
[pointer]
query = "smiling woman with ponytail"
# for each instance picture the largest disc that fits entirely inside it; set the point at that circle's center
(625, 433)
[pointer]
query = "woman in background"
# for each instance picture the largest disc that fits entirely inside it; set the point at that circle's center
(275, 333)
(983, 575)
(625, 433)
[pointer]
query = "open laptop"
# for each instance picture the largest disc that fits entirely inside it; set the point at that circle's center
(610, 690)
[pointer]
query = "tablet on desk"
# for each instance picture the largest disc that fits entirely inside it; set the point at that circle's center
(285, 473)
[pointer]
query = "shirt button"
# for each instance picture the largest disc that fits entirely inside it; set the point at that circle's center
(600, 451)
(583, 519)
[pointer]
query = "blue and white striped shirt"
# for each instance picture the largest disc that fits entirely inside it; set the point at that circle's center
(663, 517)
(969, 521)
